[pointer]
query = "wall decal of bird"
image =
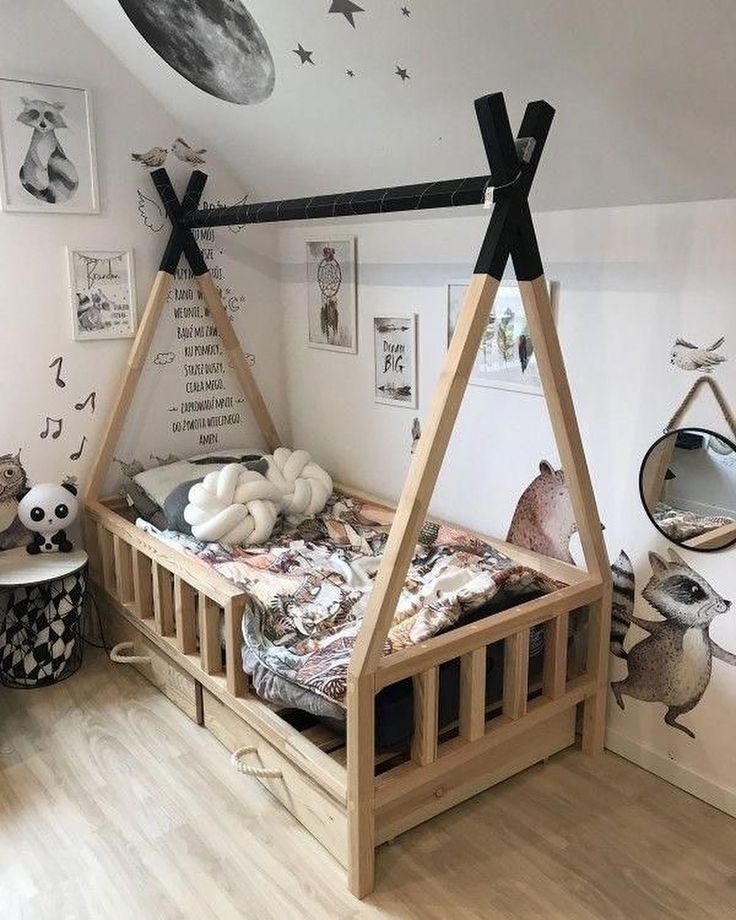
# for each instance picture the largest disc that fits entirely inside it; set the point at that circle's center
(689, 357)
(152, 159)
(187, 154)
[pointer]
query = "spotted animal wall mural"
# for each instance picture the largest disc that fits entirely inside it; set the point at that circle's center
(544, 520)
(672, 665)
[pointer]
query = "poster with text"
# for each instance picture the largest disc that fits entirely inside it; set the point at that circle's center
(394, 347)
(102, 294)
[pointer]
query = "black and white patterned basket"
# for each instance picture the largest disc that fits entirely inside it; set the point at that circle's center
(41, 638)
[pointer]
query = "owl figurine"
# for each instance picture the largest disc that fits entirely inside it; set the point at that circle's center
(13, 481)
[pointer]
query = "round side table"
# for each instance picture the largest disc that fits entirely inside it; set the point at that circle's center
(41, 605)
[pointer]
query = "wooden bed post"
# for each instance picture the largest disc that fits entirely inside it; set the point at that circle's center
(181, 241)
(538, 309)
(511, 233)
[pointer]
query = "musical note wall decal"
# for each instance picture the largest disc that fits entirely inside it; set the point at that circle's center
(78, 453)
(90, 400)
(58, 363)
(54, 426)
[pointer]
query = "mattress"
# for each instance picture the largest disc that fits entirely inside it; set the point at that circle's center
(308, 589)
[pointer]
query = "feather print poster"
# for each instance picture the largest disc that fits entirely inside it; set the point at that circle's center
(506, 358)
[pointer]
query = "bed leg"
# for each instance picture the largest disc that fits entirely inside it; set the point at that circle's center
(361, 784)
(594, 708)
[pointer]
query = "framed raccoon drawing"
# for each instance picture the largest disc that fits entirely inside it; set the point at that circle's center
(102, 294)
(47, 148)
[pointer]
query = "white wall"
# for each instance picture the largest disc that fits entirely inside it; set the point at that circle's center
(631, 281)
(42, 39)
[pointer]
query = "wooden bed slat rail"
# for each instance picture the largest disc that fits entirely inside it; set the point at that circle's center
(473, 694)
(123, 570)
(185, 615)
(390, 787)
(209, 635)
(107, 556)
(424, 743)
(142, 584)
(237, 681)
(516, 674)
(555, 656)
(455, 643)
(163, 600)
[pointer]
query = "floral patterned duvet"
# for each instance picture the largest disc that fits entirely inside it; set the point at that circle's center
(309, 587)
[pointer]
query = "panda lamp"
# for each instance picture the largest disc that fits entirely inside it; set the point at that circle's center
(47, 509)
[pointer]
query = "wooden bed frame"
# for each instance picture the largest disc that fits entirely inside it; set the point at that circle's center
(169, 608)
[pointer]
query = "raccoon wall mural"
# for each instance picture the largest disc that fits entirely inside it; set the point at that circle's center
(674, 662)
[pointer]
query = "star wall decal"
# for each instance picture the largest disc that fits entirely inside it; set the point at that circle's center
(403, 73)
(304, 56)
(347, 8)
(405, 11)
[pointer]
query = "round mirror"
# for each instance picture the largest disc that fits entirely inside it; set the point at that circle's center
(688, 488)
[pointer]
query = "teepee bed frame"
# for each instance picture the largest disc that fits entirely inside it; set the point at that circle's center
(168, 610)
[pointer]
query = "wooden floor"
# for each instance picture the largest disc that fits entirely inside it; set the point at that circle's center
(114, 805)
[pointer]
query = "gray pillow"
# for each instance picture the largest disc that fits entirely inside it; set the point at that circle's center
(145, 507)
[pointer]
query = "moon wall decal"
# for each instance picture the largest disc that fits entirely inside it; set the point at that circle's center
(214, 44)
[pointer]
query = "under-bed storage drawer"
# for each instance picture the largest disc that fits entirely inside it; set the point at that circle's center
(323, 817)
(181, 688)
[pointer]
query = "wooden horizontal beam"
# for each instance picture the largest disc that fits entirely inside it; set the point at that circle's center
(395, 784)
(410, 661)
(197, 574)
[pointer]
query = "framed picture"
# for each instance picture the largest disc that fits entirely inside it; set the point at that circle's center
(47, 148)
(506, 359)
(331, 295)
(394, 357)
(102, 294)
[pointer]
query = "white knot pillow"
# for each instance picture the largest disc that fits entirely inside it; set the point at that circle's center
(303, 484)
(233, 506)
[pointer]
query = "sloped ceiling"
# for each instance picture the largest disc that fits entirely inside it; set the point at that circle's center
(644, 91)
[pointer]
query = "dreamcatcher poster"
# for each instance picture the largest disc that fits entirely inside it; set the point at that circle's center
(331, 295)
(102, 293)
